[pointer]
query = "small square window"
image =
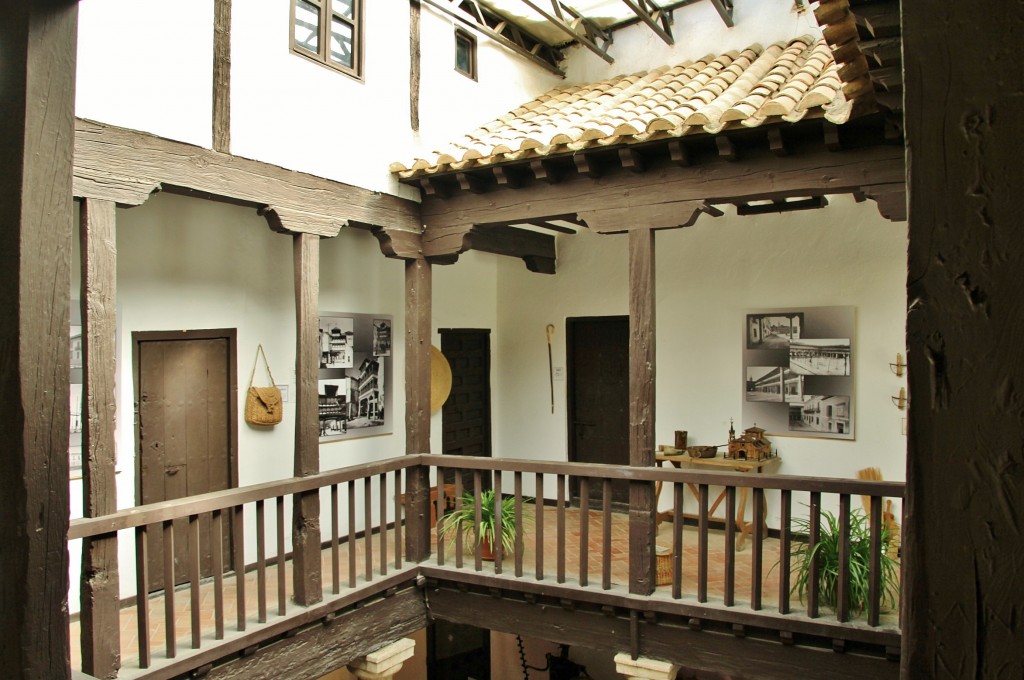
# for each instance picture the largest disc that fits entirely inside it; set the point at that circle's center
(329, 32)
(465, 53)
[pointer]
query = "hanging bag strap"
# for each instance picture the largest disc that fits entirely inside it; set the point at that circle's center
(260, 353)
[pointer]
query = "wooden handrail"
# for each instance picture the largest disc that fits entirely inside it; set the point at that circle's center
(221, 500)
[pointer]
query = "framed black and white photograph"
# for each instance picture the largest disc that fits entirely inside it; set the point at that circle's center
(354, 380)
(336, 342)
(820, 414)
(775, 330)
(773, 383)
(814, 356)
(381, 337)
(798, 376)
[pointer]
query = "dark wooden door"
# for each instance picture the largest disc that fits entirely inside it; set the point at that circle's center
(466, 416)
(185, 425)
(598, 395)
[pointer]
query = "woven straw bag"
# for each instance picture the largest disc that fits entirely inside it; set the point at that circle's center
(262, 404)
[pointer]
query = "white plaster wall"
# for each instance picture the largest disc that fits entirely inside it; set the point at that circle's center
(698, 31)
(708, 275)
(146, 65)
(194, 264)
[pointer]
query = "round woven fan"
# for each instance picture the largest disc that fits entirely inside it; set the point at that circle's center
(440, 379)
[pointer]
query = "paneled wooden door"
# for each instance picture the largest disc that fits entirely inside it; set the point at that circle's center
(186, 433)
(466, 416)
(597, 353)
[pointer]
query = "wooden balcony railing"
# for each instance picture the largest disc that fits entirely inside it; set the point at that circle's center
(571, 543)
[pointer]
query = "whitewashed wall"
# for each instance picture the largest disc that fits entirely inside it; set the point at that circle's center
(707, 276)
(143, 67)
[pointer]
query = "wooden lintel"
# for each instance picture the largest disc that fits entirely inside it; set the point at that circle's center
(657, 216)
(399, 244)
(632, 159)
(670, 191)
(585, 165)
(125, 166)
(726, 147)
(781, 206)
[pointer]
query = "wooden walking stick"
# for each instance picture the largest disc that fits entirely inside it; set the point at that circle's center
(550, 331)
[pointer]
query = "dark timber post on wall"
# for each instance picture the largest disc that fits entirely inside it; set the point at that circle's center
(964, 545)
(37, 50)
(641, 408)
(417, 404)
(306, 511)
(100, 615)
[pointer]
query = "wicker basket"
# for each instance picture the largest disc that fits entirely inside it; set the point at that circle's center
(663, 562)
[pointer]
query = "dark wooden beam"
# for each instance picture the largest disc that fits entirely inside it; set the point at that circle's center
(670, 191)
(724, 8)
(642, 361)
(306, 575)
(678, 153)
(631, 159)
(37, 50)
(506, 176)
(588, 37)
(657, 18)
(891, 200)
(545, 172)
(586, 165)
(781, 206)
(222, 76)
(418, 305)
(125, 166)
(319, 650)
(963, 545)
(100, 591)
(471, 182)
(536, 250)
(703, 653)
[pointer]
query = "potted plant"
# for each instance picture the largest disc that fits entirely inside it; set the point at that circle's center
(463, 519)
(827, 551)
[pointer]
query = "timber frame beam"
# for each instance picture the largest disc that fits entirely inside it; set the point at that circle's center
(125, 166)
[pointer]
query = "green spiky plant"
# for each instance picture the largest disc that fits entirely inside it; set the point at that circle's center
(827, 551)
(463, 519)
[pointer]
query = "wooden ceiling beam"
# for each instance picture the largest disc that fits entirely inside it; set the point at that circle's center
(125, 166)
(657, 18)
(724, 8)
(667, 192)
(443, 246)
(591, 31)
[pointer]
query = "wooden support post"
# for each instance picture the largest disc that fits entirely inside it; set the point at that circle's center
(222, 76)
(414, 65)
(100, 591)
(417, 405)
(37, 49)
(306, 574)
(642, 526)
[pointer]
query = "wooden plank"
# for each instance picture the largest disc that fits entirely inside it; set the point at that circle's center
(352, 534)
(814, 571)
(222, 76)
(560, 529)
(170, 643)
(730, 546)
(320, 650)
(584, 529)
(701, 653)
(36, 120)
(306, 567)
(382, 532)
(335, 548)
(757, 550)
(418, 294)
(519, 523)
(414, 64)
(217, 550)
(606, 537)
(194, 605)
(497, 547)
(367, 530)
(398, 519)
(875, 566)
(538, 524)
(125, 166)
(238, 564)
(702, 544)
(282, 581)
(458, 507)
(843, 581)
(142, 595)
(818, 172)
(642, 324)
(261, 563)
(100, 591)
(785, 547)
(677, 541)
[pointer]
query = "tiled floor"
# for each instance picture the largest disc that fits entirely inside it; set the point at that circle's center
(619, 578)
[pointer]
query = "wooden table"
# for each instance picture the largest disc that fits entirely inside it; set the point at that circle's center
(755, 466)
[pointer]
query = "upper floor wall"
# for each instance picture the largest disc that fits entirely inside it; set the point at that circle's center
(145, 67)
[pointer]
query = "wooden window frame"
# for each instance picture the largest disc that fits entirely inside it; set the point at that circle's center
(322, 55)
(461, 34)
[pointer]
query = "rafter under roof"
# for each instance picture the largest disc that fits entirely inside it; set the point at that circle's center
(539, 29)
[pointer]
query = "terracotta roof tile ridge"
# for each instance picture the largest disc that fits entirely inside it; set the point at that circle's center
(710, 116)
(785, 98)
